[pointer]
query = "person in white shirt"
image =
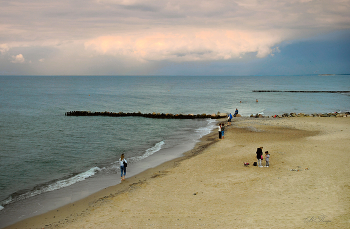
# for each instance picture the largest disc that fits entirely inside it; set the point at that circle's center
(123, 164)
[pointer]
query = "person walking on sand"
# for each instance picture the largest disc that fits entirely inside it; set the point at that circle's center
(259, 154)
(220, 131)
(267, 158)
(123, 163)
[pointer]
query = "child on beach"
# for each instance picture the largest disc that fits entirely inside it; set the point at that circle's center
(220, 131)
(267, 158)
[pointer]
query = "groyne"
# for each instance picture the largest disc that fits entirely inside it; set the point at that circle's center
(147, 115)
(302, 91)
(292, 115)
(219, 115)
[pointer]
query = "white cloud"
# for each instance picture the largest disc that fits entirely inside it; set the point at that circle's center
(18, 59)
(3, 48)
(275, 50)
(195, 45)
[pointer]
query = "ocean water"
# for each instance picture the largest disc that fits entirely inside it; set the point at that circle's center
(42, 150)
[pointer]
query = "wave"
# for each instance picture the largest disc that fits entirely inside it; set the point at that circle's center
(149, 152)
(50, 187)
(202, 131)
(158, 146)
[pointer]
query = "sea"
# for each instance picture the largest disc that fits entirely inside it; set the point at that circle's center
(48, 159)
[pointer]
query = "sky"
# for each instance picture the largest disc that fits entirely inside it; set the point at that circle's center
(174, 37)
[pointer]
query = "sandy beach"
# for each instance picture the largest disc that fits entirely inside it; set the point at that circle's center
(306, 185)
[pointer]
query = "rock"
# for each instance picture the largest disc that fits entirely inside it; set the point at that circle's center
(222, 115)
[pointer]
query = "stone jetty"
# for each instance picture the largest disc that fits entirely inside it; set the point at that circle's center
(291, 115)
(219, 115)
(148, 115)
(302, 91)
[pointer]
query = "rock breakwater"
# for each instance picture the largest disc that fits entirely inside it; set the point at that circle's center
(219, 115)
(147, 115)
(301, 91)
(287, 115)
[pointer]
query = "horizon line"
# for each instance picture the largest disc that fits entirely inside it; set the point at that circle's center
(311, 74)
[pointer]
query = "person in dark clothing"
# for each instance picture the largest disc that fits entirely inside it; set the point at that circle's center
(259, 154)
(236, 112)
(222, 130)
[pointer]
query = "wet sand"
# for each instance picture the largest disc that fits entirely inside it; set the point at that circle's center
(306, 185)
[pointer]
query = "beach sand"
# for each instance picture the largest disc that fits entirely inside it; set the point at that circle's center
(306, 186)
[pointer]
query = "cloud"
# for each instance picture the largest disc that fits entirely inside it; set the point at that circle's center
(194, 45)
(275, 50)
(4, 48)
(152, 31)
(206, 30)
(18, 59)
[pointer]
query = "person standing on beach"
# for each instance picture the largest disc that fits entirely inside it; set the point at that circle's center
(220, 131)
(123, 164)
(259, 154)
(229, 118)
(267, 158)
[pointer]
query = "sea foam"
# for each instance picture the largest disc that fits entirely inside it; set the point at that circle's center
(149, 151)
(51, 187)
(202, 131)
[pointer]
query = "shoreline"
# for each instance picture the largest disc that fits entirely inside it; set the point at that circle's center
(124, 186)
(67, 215)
